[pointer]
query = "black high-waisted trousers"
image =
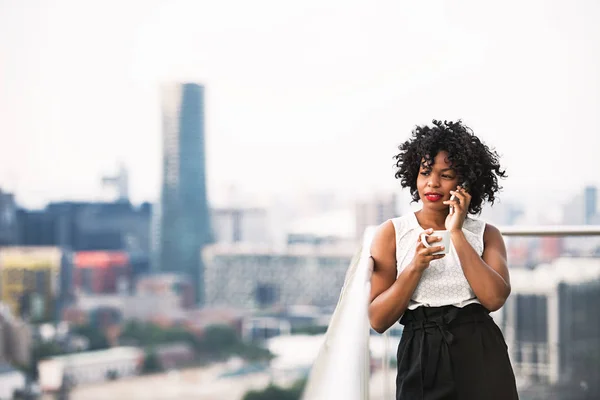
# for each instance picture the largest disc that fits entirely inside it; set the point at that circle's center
(451, 353)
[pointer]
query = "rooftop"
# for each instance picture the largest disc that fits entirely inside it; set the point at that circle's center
(99, 356)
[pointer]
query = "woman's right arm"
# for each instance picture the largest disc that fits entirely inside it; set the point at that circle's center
(390, 296)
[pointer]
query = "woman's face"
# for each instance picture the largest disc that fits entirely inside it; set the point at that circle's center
(434, 185)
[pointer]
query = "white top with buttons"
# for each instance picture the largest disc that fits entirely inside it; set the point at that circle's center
(443, 282)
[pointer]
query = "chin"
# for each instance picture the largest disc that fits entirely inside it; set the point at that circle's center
(438, 206)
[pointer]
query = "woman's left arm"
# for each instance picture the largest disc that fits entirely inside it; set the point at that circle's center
(488, 274)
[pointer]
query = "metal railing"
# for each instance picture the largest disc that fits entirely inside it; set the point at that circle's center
(342, 368)
(551, 230)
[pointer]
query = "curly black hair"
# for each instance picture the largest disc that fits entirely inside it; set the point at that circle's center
(474, 162)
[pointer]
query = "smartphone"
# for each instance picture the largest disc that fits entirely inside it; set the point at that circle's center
(453, 197)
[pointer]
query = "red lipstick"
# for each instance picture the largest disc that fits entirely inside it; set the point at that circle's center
(433, 197)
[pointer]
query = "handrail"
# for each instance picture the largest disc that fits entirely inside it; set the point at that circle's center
(347, 337)
(551, 230)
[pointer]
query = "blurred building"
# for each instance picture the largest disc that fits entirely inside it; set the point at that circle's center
(198, 320)
(552, 325)
(8, 219)
(590, 200)
(239, 225)
(264, 327)
(11, 381)
(161, 285)
(35, 281)
(117, 226)
(517, 253)
(114, 226)
(252, 277)
(183, 213)
(582, 210)
(89, 367)
(374, 212)
(550, 248)
(160, 296)
(574, 211)
(87, 226)
(15, 338)
(155, 298)
(102, 272)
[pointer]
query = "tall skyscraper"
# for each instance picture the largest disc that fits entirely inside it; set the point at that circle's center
(184, 216)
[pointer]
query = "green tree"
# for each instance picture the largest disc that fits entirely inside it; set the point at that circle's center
(151, 363)
(150, 334)
(95, 336)
(217, 343)
(273, 392)
(220, 342)
(43, 350)
(309, 330)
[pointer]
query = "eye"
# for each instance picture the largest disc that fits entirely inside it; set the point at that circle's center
(425, 173)
(448, 176)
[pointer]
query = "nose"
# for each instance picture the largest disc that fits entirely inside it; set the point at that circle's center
(433, 181)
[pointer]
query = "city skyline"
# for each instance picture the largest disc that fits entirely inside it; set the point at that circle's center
(309, 97)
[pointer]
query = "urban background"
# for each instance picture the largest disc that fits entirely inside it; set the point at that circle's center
(212, 270)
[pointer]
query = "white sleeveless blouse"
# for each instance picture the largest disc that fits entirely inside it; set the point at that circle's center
(443, 282)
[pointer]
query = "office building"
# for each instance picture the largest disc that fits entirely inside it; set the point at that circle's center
(582, 209)
(35, 282)
(590, 195)
(102, 272)
(83, 226)
(89, 367)
(184, 215)
(552, 325)
(254, 277)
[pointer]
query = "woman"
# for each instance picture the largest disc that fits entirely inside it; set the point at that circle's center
(450, 347)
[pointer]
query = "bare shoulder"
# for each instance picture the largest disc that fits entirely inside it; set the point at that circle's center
(383, 246)
(491, 233)
(493, 240)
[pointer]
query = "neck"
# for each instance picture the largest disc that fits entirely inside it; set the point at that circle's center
(429, 218)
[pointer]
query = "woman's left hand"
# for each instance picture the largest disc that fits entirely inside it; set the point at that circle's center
(455, 220)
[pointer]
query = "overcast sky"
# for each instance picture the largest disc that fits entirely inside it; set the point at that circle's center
(301, 95)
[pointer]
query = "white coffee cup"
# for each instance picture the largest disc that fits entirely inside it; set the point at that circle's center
(445, 235)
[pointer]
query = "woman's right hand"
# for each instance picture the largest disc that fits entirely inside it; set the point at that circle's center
(424, 255)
